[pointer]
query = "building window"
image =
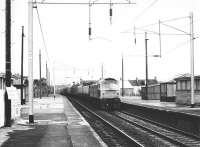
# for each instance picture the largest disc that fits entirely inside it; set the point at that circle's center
(178, 85)
(197, 84)
(1, 83)
(188, 84)
(183, 85)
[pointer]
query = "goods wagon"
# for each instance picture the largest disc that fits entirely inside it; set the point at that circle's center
(85, 90)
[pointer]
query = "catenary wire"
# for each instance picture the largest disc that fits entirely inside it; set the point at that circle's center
(144, 10)
(179, 45)
(175, 28)
(43, 38)
(84, 3)
(168, 20)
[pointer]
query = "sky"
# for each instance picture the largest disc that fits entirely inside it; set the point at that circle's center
(74, 56)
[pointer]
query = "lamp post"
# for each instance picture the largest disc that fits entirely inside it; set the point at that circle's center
(122, 75)
(146, 67)
(22, 67)
(40, 74)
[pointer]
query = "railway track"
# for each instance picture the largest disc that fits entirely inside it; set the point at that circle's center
(145, 131)
(123, 127)
(110, 134)
(170, 134)
(163, 125)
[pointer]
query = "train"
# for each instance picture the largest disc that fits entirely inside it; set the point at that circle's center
(104, 93)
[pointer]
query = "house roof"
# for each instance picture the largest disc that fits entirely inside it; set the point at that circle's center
(87, 82)
(186, 77)
(141, 82)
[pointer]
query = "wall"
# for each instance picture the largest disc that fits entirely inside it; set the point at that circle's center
(184, 97)
(127, 91)
(2, 108)
(14, 95)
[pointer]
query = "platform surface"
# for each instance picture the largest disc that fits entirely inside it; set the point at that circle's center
(57, 124)
(156, 104)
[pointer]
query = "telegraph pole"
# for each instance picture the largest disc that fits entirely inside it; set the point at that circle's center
(146, 60)
(49, 78)
(22, 62)
(40, 73)
(8, 61)
(54, 87)
(30, 59)
(192, 58)
(102, 71)
(159, 37)
(122, 75)
(46, 74)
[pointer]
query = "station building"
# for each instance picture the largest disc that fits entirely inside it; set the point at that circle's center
(183, 90)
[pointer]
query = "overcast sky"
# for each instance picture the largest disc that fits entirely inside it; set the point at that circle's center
(65, 30)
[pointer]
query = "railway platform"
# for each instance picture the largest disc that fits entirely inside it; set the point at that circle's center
(56, 124)
(165, 106)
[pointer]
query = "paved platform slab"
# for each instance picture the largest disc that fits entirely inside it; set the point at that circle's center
(57, 124)
(82, 135)
(156, 104)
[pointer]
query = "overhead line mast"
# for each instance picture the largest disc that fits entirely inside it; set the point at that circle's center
(30, 59)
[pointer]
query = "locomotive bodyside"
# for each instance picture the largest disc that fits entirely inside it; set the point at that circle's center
(106, 94)
(109, 94)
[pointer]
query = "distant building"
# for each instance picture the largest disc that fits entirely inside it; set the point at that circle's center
(139, 83)
(16, 82)
(128, 88)
(183, 89)
(87, 82)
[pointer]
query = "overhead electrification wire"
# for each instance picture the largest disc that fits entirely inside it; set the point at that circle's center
(175, 28)
(90, 3)
(43, 38)
(144, 10)
(168, 20)
(179, 45)
(141, 28)
(81, 3)
(153, 33)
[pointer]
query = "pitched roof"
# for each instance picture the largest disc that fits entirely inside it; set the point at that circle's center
(186, 77)
(141, 82)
